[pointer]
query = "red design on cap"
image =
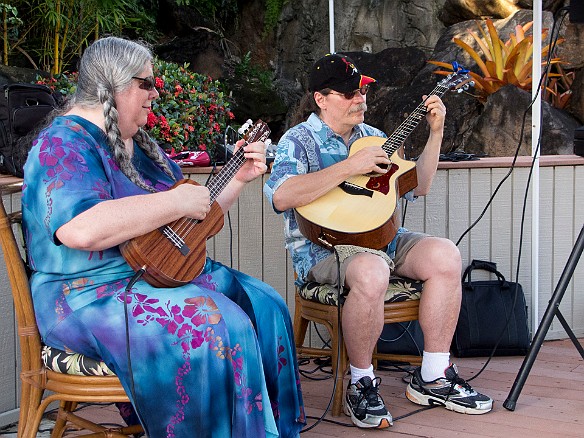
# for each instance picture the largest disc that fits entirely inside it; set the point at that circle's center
(366, 80)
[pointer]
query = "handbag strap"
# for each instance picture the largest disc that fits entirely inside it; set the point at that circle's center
(485, 266)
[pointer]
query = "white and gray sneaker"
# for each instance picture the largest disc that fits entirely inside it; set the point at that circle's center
(452, 392)
(365, 406)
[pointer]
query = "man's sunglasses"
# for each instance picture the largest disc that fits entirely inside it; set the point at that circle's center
(351, 94)
(147, 84)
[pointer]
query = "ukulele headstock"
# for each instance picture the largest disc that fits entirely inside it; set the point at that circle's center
(258, 131)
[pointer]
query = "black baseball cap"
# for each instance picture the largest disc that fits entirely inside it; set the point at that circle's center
(337, 72)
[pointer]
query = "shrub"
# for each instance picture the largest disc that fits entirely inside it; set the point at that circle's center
(191, 112)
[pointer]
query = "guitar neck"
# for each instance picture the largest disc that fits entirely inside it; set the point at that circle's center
(396, 139)
(226, 174)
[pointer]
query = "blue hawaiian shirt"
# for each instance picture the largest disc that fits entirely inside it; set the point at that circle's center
(308, 147)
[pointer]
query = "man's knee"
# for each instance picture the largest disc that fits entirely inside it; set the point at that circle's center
(446, 258)
(368, 275)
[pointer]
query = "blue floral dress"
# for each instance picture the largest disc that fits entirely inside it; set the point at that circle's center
(214, 358)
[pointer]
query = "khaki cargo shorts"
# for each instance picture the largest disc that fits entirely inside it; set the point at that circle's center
(326, 272)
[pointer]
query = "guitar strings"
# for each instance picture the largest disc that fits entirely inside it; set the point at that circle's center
(407, 126)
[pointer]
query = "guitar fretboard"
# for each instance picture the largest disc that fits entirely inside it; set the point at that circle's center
(396, 139)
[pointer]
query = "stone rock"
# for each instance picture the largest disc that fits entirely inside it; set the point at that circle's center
(9, 75)
(360, 26)
(201, 50)
(455, 11)
(571, 49)
(497, 131)
(394, 67)
(374, 25)
(462, 110)
(576, 104)
(254, 100)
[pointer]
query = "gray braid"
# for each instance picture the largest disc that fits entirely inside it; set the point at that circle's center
(121, 156)
(106, 68)
(153, 151)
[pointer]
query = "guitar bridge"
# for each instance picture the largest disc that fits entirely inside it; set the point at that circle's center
(176, 240)
(354, 189)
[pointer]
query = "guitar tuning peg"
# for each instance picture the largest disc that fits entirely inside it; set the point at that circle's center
(268, 142)
(249, 122)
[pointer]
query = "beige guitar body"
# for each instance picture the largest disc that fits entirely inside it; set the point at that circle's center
(362, 215)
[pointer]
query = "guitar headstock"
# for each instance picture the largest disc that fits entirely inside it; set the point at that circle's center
(459, 80)
(258, 131)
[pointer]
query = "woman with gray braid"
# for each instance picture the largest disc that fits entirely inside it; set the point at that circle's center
(213, 358)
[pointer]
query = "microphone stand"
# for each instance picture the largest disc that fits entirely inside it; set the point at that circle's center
(552, 310)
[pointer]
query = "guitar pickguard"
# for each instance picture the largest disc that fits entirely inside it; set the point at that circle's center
(381, 183)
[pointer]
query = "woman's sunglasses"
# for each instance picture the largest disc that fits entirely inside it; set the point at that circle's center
(147, 84)
(351, 94)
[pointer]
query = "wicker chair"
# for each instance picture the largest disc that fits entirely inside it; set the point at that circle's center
(36, 375)
(318, 303)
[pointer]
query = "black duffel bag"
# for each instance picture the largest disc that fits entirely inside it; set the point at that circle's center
(493, 313)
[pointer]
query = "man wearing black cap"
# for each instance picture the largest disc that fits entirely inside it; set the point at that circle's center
(312, 159)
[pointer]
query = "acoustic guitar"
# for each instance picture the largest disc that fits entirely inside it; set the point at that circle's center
(175, 254)
(362, 210)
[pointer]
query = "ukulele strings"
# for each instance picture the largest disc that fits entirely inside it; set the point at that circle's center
(217, 184)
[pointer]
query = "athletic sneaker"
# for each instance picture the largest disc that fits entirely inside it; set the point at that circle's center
(452, 392)
(365, 406)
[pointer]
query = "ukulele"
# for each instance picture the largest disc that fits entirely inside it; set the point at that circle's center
(361, 210)
(175, 254)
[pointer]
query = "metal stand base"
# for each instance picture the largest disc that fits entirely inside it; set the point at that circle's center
(551, 311)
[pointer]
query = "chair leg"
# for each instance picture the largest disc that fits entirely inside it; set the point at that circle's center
(300, 325)
(339, 357)
(29, 420)
(25, 406)
(61, 421)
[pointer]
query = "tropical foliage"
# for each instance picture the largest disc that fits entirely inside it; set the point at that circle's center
(51, 33)
(502, 62)
(191, 112)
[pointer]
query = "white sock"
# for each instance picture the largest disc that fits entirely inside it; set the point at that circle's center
(434, 365)
(357, 373)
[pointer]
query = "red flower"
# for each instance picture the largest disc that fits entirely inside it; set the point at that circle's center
(152, 119)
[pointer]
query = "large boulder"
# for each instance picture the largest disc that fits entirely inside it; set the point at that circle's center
(360, 26)
(455, 11)
(497, 131)
(9, 75)
(462, 109)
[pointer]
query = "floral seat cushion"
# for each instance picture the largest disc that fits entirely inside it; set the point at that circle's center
(66, 362)
(399, 289)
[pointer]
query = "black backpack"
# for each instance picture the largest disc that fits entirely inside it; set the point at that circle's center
(22, 107)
